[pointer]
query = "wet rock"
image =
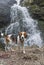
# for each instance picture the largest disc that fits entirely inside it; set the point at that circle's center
(5, 11)
(34, 46)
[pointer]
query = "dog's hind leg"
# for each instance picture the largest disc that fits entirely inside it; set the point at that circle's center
(5, 48)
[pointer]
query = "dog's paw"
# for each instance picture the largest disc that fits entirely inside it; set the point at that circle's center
(24, 52)
(12, 49)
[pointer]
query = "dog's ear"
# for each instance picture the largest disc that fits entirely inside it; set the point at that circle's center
(25, 34)
(6, 35)
(20, 33)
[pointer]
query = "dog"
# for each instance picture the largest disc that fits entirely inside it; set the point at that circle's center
(21, 40)
(10, 41)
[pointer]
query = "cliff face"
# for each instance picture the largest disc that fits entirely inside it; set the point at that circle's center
(5, 11)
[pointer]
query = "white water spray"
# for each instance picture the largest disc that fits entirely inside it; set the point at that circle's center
(24, 23)
(18, 2)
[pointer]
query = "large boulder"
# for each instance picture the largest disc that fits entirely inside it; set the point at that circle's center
(5, 6)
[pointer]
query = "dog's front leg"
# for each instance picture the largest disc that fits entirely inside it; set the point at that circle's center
(23, 48)
(18, 42)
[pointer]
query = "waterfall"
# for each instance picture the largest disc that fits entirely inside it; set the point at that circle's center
(18, 2)
(22, 21)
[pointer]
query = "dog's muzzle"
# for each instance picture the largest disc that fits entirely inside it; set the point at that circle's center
(22, 38)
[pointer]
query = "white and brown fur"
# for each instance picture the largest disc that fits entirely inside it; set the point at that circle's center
(21, 39)
(10, 41)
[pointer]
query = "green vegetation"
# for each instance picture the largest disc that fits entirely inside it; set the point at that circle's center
(36, 7)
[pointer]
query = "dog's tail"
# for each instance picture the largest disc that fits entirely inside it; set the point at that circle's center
(1, 34)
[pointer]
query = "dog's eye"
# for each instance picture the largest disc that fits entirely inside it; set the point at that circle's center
(20, 34)
(25, 34)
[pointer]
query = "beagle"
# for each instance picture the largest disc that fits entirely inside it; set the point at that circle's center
(10, 42)
(21, 40)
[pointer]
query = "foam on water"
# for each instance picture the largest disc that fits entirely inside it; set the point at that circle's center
(18, 2)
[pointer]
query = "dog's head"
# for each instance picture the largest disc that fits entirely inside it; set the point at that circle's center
(22, 35)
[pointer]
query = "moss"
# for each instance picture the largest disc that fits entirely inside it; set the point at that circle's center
(26, 3)
(35, 8)
(41, 25)
(42, 10)
(42, 4)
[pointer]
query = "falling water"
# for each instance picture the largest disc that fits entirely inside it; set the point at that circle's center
(21, 21)
(18, 2)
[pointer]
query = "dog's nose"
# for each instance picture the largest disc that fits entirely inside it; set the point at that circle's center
(22, 38)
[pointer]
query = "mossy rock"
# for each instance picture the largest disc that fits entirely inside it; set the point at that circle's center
(24, 3)
(42, 18)
(42, 10)
(37, 11)
(27, 4)
(42, 4)
(35, 8)
(41, 25)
